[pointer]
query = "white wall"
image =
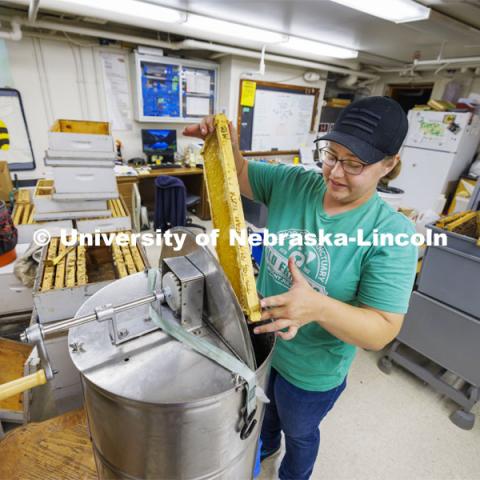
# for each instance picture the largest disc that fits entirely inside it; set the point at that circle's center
(60, 79)
(475, 87)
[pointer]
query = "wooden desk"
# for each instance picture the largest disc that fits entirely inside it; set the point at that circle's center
(13, 356)
(58, 448)
(192, 177)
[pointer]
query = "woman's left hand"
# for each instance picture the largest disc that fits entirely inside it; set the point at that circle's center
(291, 310)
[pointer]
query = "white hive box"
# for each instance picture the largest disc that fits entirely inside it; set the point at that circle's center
(85, 180)
(45, 203)
(118, 221)
(82, 155)
(26, 226)
(81, 136)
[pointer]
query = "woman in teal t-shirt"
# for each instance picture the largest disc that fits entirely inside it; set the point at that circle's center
(326, 299)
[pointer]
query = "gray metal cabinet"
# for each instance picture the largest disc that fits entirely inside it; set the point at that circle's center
(443, 325)
(444, 335)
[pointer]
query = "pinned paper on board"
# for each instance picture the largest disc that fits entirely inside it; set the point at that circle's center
(117, 90)
(249, 89)
(197, 82)
(197, 106)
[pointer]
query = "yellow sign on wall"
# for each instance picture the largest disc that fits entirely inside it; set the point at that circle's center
(247, 98)
(4, 137)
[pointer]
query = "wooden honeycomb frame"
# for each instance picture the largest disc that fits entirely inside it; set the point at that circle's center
(227, 213)
(66, 267)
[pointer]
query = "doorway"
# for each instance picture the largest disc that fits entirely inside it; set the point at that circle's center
(410, 95)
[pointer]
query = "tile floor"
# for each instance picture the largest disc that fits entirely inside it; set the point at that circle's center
(389, 427)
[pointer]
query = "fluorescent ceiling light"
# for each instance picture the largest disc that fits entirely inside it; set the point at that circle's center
(398, 11)
(319, 48)
(212, 25)
(132, 8)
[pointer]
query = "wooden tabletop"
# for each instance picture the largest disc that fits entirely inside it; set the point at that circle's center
(176, 172)
(56, 449)
(13, 356)
(172, 171)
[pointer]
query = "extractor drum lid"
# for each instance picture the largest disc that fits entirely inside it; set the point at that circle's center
(154, 367)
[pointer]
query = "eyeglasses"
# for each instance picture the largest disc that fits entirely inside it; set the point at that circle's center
(328, 158)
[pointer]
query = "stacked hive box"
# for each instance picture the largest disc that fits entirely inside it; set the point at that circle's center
(81, 154)
(23, 219)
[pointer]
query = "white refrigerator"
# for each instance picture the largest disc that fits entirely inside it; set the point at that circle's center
(439, 146)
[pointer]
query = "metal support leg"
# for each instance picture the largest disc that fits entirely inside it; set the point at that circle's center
(466, 397)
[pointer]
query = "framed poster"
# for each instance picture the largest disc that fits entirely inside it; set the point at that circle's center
(15, 144)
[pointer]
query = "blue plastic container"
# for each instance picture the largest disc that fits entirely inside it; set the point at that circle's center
(257, 469)
(257, 251)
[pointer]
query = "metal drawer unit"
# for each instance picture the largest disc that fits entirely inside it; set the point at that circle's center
(444, 335)
(447, 338)
(451, 274)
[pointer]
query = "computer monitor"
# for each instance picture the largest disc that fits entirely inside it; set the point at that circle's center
(160, 142)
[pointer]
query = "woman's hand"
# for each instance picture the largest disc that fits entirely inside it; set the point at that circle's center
(207, 126)
(202, 129)
(293, 309)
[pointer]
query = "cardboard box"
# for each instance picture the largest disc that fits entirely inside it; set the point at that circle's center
(6, 185)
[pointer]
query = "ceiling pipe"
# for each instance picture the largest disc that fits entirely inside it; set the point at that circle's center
(425, 65)
(199, 45)
(440, 61)
(348, 82)
(33, 8)
(16, 33)
(190, 44)
(440, 68)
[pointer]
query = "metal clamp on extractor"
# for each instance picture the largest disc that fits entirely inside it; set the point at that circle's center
(169, 324)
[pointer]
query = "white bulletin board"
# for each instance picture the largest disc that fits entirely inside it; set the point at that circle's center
(275, 118)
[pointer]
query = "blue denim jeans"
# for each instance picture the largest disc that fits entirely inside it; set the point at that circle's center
(298, 414)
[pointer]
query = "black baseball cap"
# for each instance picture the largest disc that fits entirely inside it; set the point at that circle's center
(371, 128)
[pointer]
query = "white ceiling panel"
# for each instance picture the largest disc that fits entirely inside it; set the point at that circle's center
(455, 24)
